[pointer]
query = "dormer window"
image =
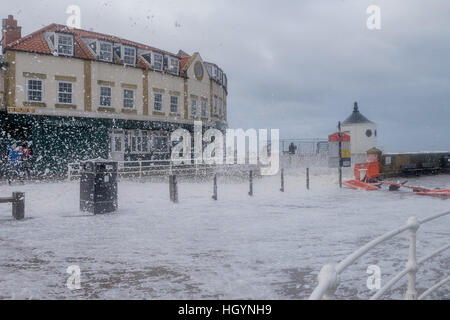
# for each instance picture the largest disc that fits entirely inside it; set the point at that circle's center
(129, 56)
(174, 66)
(106, 51)
(158, 61)
(65, 44)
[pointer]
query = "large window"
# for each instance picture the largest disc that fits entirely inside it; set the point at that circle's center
(106, 50)
(128, 98)
(193, 107)
(65, 44)
(173, 104)
(158, 102)
(204, 106)
(174, 66)
(105, 96)
(158, 61)
(65, 92)
(129, 55)
(35, 90)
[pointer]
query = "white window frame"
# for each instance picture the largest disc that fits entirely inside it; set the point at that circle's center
(154, 54)
(171, 67)
(58, 37)
(193, 107)
(72, 93)
(99, 47)
(204, 107)
(159, 102)
(123, 99)
(123, 55)
(42, 89)
(172, 104)
(110, 97)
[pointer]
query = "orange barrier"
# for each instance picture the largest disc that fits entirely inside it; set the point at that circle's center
(372, 171)
(359, 185)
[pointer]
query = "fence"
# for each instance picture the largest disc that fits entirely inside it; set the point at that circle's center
(165, 167)
(329, 274)
(18, 204)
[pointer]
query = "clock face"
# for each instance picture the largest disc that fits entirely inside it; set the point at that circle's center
(198, 69)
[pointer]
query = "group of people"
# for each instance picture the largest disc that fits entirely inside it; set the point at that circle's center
(18, 160)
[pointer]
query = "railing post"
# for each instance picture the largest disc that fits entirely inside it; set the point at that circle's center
(282, 180)
(411, 292)
(307, 178)
(329, 275)
(140, 169)
(173, 188)
(18, 205)
(250, 179)
(215, 187)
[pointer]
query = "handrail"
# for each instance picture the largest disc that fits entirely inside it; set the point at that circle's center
(433, 288)
(329, 274)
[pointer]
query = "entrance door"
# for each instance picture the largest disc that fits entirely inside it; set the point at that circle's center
(117, 145)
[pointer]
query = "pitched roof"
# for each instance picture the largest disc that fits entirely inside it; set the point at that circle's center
(356, 117)
(35, 43)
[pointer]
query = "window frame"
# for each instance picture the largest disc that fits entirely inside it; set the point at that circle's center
(124, 98)
(110, 97)
(159, 102)
(194, 107)
(204, 108)
(154, 54)
(72, 98)
(42, 89)
(177, 68)
(124, 55)
(72, 47)
(102, 42)
(172, 104)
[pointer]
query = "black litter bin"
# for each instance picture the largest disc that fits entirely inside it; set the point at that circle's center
(98, 186)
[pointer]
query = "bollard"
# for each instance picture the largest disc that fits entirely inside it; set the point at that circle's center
(282, 180)
(173, 188)
(214, 196)
(250, 178)
(18, 205)
(307, 178)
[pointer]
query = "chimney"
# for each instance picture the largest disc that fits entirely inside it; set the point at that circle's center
(10, 31)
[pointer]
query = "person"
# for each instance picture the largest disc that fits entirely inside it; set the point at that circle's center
(292, 148)
(26, 158)
(14, 157)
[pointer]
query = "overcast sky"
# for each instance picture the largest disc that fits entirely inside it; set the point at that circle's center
(297, 65)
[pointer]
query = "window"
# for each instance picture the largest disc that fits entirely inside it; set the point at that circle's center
(65, 92)
(35, 90)
(158, 102)
(220, 76)
(224, 82)
(65, 44)
(220, 106)
(117, 144)
(215, 105)
(174, 66)
(368, 133)
(204, 106)
(128, 99)
(173, 104)
(105, 96)
(209, 69)
(129, 55)
(106, 50)
(157, 61)
(193, 107)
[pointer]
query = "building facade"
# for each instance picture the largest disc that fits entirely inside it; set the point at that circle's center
(76, 94)
(363, 133)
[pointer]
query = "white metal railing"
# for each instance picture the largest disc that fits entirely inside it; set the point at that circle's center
(329, 274)
(140, 168)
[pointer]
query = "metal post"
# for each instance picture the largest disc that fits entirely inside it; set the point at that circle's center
(18, 205)
(340, 155)
(215, 187)
(250, 178)
(140, 169)
(282, 180)
(307, 178)
(173, 188)
(411, 292)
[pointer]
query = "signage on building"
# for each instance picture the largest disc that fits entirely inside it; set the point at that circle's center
(20, 109)
(333, 150)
